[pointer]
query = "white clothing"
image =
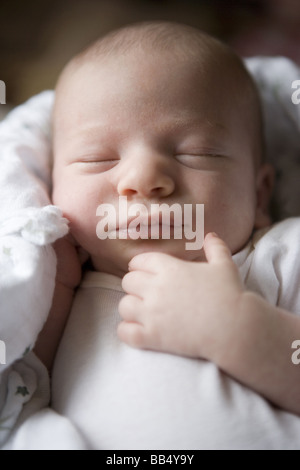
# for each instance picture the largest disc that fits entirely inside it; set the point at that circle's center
(123, 398)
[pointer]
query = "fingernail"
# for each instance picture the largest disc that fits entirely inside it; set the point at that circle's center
(214, 234)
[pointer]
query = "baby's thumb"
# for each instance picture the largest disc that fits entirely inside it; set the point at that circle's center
(216, 250)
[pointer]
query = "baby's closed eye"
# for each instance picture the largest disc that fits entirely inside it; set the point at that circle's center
(95, 163)
(199, 159)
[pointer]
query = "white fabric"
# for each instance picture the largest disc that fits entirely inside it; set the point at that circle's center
(123, 398)
(28, 225)
(24, 389)
(46, 430)
(24, 408)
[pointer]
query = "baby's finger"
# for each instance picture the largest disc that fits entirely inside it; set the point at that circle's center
(135, 282)
(216, 250)
(151, 262)
(130, 308)
(132, 334)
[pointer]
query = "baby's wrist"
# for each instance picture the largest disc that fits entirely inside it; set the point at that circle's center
(241, 335)
(228, 344)
(64, 287)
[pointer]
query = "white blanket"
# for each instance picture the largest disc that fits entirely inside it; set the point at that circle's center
(29, 224)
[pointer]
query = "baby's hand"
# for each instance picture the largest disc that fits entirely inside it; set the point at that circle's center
(182, 307)
(68, 276)
(70, 257)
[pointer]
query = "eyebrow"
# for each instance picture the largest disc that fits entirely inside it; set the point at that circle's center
(178, 124)
(217, 125)
(198, 123)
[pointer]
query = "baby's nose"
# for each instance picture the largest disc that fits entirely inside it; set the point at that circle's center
(151, 179)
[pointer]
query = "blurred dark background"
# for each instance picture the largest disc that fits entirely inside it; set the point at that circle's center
(37, 37)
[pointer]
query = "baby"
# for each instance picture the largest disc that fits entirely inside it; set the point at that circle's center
(161, 113)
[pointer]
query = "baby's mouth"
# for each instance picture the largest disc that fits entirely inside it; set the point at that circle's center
(152, 227)
(161, 222)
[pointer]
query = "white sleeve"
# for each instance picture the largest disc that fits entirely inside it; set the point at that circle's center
(287, 265)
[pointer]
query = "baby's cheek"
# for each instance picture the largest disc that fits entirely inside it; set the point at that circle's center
(63, 194)
(83, 227)
(79, 211)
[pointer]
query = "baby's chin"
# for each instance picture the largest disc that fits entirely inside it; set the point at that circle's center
(115, 260)
(176, 248)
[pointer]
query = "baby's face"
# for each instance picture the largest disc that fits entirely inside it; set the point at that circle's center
(155, 131)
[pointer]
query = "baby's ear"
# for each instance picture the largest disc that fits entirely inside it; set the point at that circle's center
(264, 188)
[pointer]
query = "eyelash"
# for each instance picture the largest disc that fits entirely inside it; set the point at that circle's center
(191, 160)
(101, 165)
(199, 154)
(97, 161)
(183, 158)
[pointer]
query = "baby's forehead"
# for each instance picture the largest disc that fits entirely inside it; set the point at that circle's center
(159, 82)
(210, 67)
(165, 46)
(151, 49)
(190, 84)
